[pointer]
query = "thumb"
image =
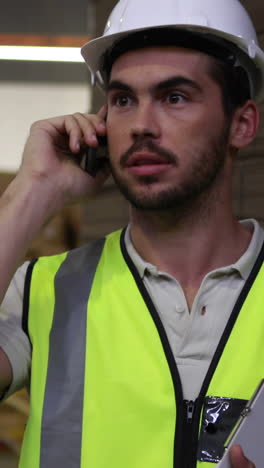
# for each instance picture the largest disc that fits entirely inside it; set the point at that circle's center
(238, 458)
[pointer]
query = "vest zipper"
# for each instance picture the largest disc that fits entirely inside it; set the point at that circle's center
(186, 432)
(190, 406)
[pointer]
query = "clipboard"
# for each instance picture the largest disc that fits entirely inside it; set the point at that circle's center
(249, 431)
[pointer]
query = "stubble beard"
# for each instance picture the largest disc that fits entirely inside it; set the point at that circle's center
(194, 190)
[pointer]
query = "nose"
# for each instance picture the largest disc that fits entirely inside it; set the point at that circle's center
(145, 122)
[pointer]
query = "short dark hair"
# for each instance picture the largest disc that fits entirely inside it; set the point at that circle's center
(233, 80)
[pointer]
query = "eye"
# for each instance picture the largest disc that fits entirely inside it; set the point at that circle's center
(175, 97)
(121, 100)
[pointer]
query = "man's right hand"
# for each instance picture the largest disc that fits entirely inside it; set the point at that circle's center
(50, 157)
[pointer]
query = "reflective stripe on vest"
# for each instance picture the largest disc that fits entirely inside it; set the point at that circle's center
(102, 391)
(61, 428)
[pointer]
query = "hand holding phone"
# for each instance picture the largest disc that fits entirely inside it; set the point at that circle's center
(94, 158)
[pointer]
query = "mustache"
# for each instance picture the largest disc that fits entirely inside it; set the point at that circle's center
(144, 144)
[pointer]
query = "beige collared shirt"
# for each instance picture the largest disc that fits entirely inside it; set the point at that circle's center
(193, 335)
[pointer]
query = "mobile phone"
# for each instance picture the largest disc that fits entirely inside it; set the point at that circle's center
(93, 159)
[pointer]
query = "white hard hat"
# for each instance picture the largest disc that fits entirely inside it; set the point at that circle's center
(223, 19)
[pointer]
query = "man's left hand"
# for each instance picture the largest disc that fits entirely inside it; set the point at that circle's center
(238, 459)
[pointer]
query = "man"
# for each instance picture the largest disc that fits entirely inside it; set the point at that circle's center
(130, 342)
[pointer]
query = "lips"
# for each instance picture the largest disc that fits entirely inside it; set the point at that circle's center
(144, 163)
(144, 158)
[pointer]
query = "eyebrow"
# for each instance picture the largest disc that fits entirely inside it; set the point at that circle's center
(177, 81)
(118, 85)
(163, 85)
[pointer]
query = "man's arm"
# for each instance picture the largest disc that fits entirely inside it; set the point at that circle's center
(48, 179)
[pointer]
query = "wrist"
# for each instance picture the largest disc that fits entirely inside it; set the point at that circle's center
(37, 199)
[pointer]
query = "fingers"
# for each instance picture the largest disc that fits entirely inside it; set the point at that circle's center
(77, 129)
(75, 132)
(238, 459)
(90, 126)
(83, 129)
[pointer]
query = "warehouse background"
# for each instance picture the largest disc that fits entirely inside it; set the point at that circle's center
(36, 90)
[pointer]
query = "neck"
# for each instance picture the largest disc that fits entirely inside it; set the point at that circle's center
(189, 246)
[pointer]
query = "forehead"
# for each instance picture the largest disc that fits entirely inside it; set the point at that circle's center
(161, 61)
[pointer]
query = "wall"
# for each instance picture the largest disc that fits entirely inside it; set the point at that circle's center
(24, 102)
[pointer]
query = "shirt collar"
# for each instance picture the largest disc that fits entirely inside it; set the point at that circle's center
(138, 261)
(246, 262)
(243, 265)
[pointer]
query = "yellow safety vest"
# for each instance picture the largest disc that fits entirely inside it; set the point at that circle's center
(105, 390)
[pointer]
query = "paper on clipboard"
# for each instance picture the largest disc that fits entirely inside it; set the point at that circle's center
(249, 431)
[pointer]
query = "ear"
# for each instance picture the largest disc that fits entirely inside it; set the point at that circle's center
(244, 126)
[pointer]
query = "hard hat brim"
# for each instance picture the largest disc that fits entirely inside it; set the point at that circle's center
(94, 50)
